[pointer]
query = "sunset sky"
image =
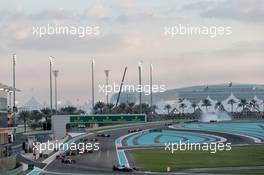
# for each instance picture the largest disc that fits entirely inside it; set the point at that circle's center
(130, 31)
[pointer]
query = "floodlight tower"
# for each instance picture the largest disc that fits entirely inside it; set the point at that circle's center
(151, 93)
(51, 60)
(14, 94)
(107, 81)
(56, 73)
(93, 85)
(140, 84)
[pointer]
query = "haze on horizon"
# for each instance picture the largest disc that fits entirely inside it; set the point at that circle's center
(131, 30)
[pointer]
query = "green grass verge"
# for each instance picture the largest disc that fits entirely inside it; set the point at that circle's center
(252, 171)
(158, 159)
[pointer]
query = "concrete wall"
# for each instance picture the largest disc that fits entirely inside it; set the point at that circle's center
(3, 109)
(7, 163)
(58, 123)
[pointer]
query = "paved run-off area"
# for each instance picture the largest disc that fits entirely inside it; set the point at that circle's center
(158, 159)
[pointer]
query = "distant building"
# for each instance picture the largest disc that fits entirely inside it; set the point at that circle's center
(5, 140)
(195, 94)
(4, 109)
(6, 133)
(32, 104)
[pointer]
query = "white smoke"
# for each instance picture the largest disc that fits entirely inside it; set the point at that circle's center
(216, 116)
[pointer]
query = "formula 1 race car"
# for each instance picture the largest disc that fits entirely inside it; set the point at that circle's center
(94, 140)
(122, 168)
(134, 130)
(60, 156)
(68, 160)
(103, 135)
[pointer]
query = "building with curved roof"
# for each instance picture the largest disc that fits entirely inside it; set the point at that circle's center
(195, 94)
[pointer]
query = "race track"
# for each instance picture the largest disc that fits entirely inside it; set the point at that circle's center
(113, 149)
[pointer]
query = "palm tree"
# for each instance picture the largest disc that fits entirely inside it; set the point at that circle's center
(180, 100)
(99, 106)
(206, 103)
(130, 107)
(24, 115)
(262, 103)
(194, 106)
(182, 106)
(69, 110)
(146, 108)
(80, 111)
(243, 103)
(47, 114)
(254, 105)
(167, 107)
(231, 102)
(36, 118)
(109, 107)
(123, 107)
(219, 106)
(154, 108)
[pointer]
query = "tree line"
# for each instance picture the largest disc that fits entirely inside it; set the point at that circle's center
(252, 105)
(41, 119)
(123, 108)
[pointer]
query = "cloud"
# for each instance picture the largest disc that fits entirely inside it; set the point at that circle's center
(19, 35)
(200, 5)
(241, 10)
(97, 11)
(239, 50)
(106, 43)
(134, 18)
(60, 43)
(125, 3)
(53, 14)
(144, 17)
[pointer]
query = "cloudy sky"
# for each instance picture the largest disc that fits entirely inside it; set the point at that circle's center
(130, 31)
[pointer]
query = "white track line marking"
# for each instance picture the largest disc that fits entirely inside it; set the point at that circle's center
(255, 139)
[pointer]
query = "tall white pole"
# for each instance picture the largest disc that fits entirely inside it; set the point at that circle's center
(107, 76)
(140, 84)
(93, 86)
(56, 73)
(14, 94)
(51, 64)
(151, 97)
(10, 99)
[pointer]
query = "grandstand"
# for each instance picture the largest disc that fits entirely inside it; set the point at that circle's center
(195, 94)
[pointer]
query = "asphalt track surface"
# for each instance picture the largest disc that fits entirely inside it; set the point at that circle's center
(102, 161)
(98, 162)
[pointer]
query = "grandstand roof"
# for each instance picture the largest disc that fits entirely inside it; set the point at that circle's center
(6, 87)
(195, 94)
